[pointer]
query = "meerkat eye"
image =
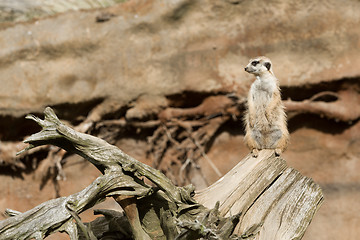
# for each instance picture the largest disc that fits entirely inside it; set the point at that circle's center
(254, 63)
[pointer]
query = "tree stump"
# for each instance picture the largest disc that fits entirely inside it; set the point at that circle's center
(275, 201)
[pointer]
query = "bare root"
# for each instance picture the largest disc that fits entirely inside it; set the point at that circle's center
(345, 108)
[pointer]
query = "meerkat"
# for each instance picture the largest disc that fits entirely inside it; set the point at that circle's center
(265, 118)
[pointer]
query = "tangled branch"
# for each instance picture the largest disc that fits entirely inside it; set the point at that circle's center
(122, 180)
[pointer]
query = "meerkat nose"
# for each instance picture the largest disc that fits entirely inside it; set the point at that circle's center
(246, 69)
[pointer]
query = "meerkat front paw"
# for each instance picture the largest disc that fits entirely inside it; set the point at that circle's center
(255, 153)
(278, 152)
(251, 121)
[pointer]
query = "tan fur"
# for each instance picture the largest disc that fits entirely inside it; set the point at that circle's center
(265, 118)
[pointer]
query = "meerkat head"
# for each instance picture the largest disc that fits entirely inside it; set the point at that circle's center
(259, 66)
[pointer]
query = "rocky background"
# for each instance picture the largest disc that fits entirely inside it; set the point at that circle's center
(164, 81)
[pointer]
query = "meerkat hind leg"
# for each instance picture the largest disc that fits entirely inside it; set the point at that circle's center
(255, 153)
(278, 151)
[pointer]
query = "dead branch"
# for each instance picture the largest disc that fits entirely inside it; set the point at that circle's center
(185, 133)
(121, 178)
(210, 106)
(345, 108)
(53, 216)
(8, 151)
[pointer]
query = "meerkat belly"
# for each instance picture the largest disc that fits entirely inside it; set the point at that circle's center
(266, 130)
(261, 101)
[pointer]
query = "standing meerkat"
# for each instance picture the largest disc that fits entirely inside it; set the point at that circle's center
(265, 118)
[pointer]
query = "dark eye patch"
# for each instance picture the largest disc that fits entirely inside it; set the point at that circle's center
(267, 65)
(254, 63)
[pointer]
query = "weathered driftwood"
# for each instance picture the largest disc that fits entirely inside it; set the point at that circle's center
(269, 199)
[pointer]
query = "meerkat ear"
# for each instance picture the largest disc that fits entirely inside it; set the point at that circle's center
(267, 65)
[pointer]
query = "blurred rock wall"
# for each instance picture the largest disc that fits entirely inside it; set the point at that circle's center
(166, 47)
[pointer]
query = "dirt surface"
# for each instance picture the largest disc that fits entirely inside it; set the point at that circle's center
(164, 81)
